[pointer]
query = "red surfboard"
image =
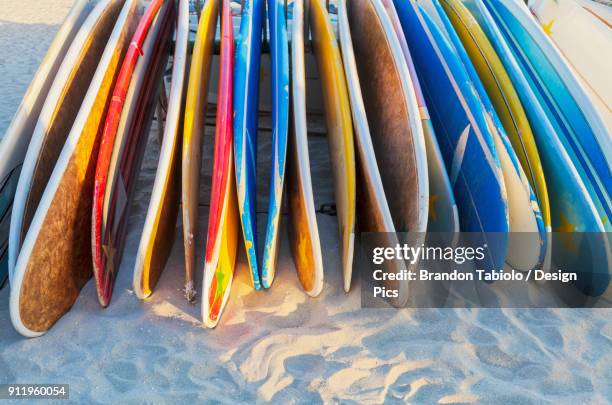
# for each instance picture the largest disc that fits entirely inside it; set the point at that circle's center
(223, 133)
(105, 269)
(223, 222)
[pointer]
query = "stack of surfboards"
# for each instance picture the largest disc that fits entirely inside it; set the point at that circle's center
(76, 144)
(477, 116)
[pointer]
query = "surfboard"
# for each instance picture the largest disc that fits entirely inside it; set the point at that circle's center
(55, 259)
(504, 97)
(567, 103)
(339, 129)
(246, 102)
(303, 229)
(527, 241)
(580, 36)
(160, 223)
(601, 11)
(396, 132)
(461, 127)
(279, 56)
(571, 206)
(56, 118)
(132, 134)
(8, 191)
(443, 215)
(105, 275)
(373, 209)
(222, 239)
(195, 122)
(14, 144)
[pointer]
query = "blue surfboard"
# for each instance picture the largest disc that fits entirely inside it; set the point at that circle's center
(501, 132)
(572, 208)
(279, 57)
(565, 102)
(460, 125)
(246, 103)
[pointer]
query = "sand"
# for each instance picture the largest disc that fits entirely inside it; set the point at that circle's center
(281, 345)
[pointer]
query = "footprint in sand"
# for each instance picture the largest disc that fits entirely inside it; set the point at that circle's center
(480, 336)
(500, 361)
(122, 375)
(533, 372)
(305, 366)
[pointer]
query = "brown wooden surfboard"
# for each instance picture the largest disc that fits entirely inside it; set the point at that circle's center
(55, 260)
(57, 116)
(389, 115)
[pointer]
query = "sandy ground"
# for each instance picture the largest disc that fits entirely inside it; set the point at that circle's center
(281, 345)
(26, 31)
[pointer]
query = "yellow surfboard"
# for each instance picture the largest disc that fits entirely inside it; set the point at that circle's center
(504, 97)
(195, 121)
(339, 127)
(303, 228)
(160, 224)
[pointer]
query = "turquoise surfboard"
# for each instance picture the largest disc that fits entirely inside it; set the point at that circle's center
(572, 208)
(566, 103)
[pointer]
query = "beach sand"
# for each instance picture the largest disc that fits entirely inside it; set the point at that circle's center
(281, 345)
